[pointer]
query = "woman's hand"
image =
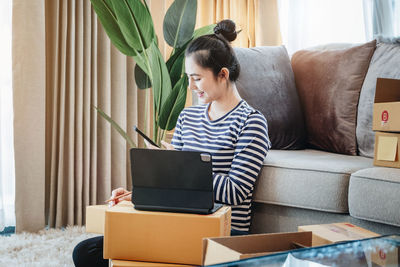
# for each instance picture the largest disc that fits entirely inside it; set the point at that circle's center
(148, 145)
(167, 145)
(163, 143)
(118, 192)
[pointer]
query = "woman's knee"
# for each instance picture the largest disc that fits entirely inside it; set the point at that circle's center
(89, 252)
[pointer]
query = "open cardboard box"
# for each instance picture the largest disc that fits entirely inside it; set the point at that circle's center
(225, 249)
(387, 149)
(386, 114)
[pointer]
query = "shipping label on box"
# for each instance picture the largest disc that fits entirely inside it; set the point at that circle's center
(387, 150)
(325, 234)
(95, 216)
(161, 236)
(386, 114)
(225, 249)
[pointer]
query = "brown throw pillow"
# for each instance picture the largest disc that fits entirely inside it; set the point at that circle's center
(329, 84)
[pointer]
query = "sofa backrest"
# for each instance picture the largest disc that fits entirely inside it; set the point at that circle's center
(266, 82)
(385, 63)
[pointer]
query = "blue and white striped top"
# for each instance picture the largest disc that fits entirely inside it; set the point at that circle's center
(238, 143)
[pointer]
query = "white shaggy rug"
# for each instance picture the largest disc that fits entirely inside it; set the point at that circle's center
(51, 247)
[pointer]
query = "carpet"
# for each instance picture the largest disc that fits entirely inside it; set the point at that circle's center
(50, 247)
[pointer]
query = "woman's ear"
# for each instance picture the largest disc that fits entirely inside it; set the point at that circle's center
(224, 74)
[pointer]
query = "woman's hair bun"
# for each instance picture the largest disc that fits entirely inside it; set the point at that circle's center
(227, 29)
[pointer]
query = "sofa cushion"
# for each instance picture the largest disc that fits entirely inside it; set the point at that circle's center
(329, 84)
(374, 195)
(310, 179)
(384, 64)
(266, 82)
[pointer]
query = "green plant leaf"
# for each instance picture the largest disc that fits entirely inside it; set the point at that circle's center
(116, 127)
(179, 22)
(209, 29)
(175, 63)
(160, 80)
(106, 15)
(141, 78)
(173, 105)
(177, 69)
(181, 50)
(135, 23)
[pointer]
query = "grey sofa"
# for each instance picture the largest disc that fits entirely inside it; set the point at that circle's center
(310, 186)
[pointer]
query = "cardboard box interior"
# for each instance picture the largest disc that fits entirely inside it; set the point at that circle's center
(225, 249)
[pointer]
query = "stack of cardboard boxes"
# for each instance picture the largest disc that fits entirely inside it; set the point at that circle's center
(386, 123)
(143, 238)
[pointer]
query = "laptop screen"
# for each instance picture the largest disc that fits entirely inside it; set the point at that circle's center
(171, 169)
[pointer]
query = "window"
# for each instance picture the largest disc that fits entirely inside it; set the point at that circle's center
(7, 175)
(307, 23)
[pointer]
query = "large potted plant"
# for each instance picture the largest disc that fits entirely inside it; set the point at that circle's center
(129, 25)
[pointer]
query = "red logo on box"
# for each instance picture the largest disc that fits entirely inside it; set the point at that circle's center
(385, 116)
(382, 254)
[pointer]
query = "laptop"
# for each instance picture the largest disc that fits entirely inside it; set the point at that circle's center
(172, 180)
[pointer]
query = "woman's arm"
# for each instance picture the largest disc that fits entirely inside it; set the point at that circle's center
(250, 151)
(177, 137)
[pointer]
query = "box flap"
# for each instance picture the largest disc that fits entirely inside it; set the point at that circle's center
(387, 90)
(252, 255)
(387, 148)
(215, 253)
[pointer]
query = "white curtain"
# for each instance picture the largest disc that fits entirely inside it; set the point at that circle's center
(309, 23)
(7, 215)
(382, 18)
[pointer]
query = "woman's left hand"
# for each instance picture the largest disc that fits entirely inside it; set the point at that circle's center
(167, 145)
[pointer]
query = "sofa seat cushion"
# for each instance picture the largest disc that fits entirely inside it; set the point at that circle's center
(374, 195)
(309, 179)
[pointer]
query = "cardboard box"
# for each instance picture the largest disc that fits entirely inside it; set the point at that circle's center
(161, 236)
(385, 257)
(225, 249)
(387, 150)
(120, 263)
(386, 114)
(95, 217)
(325, 234)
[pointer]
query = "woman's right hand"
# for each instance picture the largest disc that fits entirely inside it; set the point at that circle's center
(148, 145)
(117, 192)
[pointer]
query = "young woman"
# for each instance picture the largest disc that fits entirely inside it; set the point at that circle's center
(235, 134)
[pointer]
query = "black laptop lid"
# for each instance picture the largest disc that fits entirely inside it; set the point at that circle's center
(171, 180)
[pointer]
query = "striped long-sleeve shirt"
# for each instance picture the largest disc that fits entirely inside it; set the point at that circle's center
(238, 143)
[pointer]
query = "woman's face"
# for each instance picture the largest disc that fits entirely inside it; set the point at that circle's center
(202, 81)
